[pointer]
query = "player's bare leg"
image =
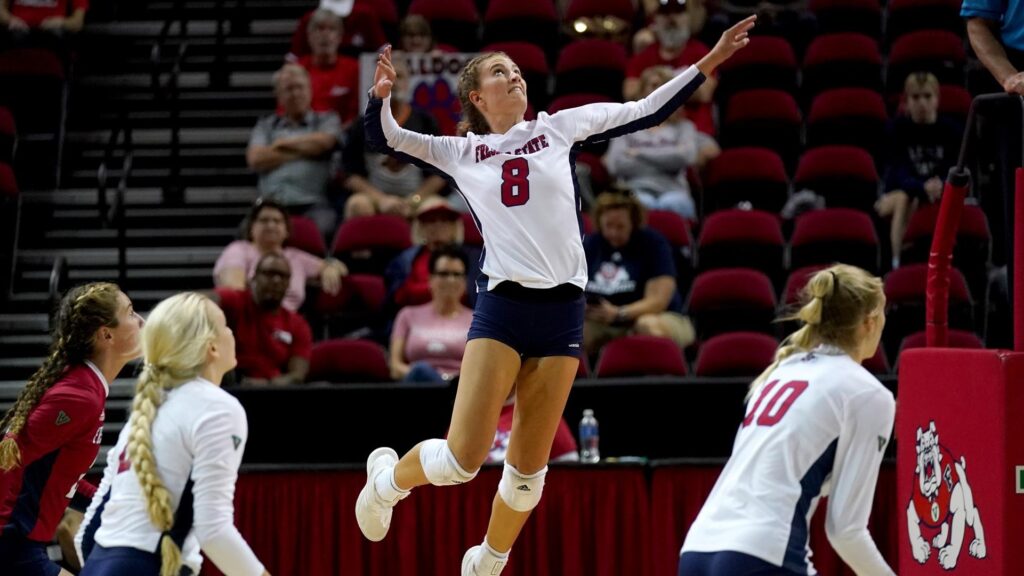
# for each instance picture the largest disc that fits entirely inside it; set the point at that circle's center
(541, 392)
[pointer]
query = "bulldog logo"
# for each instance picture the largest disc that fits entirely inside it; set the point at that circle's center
(942, 504)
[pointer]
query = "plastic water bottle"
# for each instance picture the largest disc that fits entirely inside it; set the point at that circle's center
(589, 438)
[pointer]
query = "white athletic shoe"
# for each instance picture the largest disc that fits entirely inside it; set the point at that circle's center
(372, 513)
(467, 561)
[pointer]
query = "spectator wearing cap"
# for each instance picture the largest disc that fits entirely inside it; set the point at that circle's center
(273, 344)
(407, 277)
(380, 183)
(291, 150)
(673, 47)
(334, 78)
(428, 340)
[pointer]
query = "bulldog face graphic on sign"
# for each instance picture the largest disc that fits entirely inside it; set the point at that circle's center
(942, 505)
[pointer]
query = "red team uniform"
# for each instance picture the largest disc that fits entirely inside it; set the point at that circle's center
(58, 445)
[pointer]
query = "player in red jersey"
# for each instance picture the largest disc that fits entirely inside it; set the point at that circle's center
(52, 433)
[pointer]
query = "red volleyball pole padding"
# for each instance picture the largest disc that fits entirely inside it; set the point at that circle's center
(1018, 261)
(941, 255)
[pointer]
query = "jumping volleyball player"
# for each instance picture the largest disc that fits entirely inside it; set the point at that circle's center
(816, 424)
(527, 329)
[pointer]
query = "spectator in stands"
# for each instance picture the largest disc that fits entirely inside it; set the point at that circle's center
(631, 285)
(564, 448)
(407, 277)
(674, 47)
(924, 147)
(273, 344)
(292, 150)
(653, 162)
(428, 340)
(32, 20)
(415, 35)
(334, 79)
(381, 183)
(996, 31)
(267, 228)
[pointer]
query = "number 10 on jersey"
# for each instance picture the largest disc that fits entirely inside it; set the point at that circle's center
(515, 183)
(781, 400)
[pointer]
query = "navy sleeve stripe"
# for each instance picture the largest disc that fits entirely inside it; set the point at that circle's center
(810, 484)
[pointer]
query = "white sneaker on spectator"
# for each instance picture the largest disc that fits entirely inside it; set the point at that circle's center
(373, 513)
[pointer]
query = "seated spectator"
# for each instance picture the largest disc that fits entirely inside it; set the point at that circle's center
(40, 22)
(267, 228)
(273, 344)
(415, 36)
(292, 150)
(923, 147)
(674, 47)
(334, 78)
(564, 448)
(631, 287)
(408, 275)
(427, 341)
(653, 162)
(380, 183)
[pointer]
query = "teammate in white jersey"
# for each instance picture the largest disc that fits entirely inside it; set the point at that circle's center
(527, 330)
(817, 424)
(168, 489)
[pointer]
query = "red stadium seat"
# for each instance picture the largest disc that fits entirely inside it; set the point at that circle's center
(972, 251)
(861, 16)
(764, 118)
(367, 244)
(954, 102)
(523, 21)
(576, 99)
(454, 22)
(842, 60)
(600, 179)
(8, 184)
(359, 303)
(532, 63)
(305, 236)
(850, 116)
(955, 339)
(844, 175)
(742, 238)
(731, 300)
(735, 354)
(767, 62)
(622, 9)
(676, 231)
(907, 16)
(905, 290)
(583, 370)
(795, 283)
(745, 174)
(344, 361)
(823, 237)
(632, 356)
(600, 65)
(936, 51)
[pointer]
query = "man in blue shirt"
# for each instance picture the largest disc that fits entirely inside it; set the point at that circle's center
(996, 31)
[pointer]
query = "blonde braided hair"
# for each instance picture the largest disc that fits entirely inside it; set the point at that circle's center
(175, 341)
(82, 311)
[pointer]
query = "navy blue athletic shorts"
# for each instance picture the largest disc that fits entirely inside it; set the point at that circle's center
(534, 322)
(123, 560)
(20, 556)
(727, 563)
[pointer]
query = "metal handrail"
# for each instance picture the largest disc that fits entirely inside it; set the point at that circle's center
(114, 216)
(58, 283)
(169, 91)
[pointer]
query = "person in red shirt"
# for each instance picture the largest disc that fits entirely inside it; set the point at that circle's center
(675, 48)
(334, 78)
(273, 344)
(53, 432)
(49, 15)
(408, 276)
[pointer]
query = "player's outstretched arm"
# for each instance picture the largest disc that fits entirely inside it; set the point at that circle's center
(384, 75)
(732, 40)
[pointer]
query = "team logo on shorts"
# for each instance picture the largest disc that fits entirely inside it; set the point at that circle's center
(942, 504)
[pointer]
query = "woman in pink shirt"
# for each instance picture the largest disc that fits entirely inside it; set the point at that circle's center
(269, 227)
(428, 340)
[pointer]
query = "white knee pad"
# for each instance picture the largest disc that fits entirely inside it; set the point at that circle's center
(440, 466)
(521, 491)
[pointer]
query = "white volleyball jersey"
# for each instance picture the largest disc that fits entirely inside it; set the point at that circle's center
(817, 426)
(198, 438)
(520, 185)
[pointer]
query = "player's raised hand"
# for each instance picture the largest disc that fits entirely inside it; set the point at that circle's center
(384, 76)
(731, 41)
